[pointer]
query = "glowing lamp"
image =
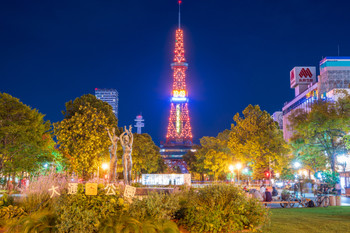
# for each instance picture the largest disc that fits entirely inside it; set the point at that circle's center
(238, 166)
(105, 166)
(231, 168)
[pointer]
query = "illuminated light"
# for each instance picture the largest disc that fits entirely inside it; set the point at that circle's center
(178, 121)
(176, 99)
(105, 166)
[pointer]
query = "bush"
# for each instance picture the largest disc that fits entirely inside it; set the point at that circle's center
(82, 213)
(40, 221)
(10, 214)
(155, 206)
(6, 200)
(37, 196)
(220, 208)
(126, 223)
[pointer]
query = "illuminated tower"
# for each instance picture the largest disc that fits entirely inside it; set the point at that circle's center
(179, 131)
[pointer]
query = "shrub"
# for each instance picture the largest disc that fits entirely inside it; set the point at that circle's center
(220, 208)
(37, 196)
(82, 213)
(126, 223)
(6, 200)
(40, 221)
(10, 214)
(155, 206)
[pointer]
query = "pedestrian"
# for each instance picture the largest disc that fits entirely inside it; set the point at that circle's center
(268, 196)
(257, 195)
(274, 191)
(262, 189)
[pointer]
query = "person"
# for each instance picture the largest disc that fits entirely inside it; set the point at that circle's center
(257, 195)
(262, 189)
(338, 188)
(245, 188)
(296, 188)
(268, 196)
(274, 191)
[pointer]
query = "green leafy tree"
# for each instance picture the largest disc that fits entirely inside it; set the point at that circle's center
(322, 129)
(255, 138)
(73, 107)
(145, 156)
(311, 158)
(83, 139)
(212, 157)
(25, 138)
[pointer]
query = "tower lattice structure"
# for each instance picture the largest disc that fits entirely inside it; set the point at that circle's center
(179, 128)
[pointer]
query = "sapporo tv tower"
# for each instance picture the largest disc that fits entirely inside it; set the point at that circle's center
(179, 132)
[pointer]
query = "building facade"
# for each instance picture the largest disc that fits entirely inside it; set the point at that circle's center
(334, 75)
(109, 96)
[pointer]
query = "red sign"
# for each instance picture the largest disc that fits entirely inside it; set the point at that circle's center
(305, 73)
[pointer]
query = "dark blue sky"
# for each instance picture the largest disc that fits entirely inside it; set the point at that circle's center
(239, 53)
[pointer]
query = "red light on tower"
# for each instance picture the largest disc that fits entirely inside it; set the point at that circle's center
(180, 1)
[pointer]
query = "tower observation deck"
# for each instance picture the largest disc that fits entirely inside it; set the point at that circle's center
(179, 132)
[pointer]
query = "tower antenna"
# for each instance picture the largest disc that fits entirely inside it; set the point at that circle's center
(179, 13)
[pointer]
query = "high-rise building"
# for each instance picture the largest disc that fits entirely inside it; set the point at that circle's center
(110, 96)
(179, 132)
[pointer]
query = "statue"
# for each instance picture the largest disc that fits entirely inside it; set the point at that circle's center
(126, 139)
(113, 155)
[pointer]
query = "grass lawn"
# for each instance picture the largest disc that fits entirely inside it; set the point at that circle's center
(331, 219)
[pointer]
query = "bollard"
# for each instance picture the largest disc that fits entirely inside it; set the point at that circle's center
(332, 201)
(338, 200)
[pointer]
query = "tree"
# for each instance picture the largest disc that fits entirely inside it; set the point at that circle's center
(322, 129)
(25, 138)
(256, 139)
(83, 139)
(73, 107)
(212, 157)
(311, 158)
(146, 156)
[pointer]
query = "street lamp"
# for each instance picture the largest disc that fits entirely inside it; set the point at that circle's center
(342, 161)
(105, 167)
(297, 165)
(238, 166)
(231, 168)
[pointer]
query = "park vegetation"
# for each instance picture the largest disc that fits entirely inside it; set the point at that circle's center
(320, 134)
(254, 139)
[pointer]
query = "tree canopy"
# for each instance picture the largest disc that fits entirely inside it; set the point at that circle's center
(73, 107)
(146, 156)
(83, 138)
(322, 130)
(25, 137)
(256, 139)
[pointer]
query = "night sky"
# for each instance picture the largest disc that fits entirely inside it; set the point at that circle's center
(239, 53)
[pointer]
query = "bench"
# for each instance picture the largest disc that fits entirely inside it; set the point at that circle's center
(284, 204)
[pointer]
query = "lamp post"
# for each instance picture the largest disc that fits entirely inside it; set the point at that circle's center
(105, 167)
(238, 166)
(342, 161)
(231, 168)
